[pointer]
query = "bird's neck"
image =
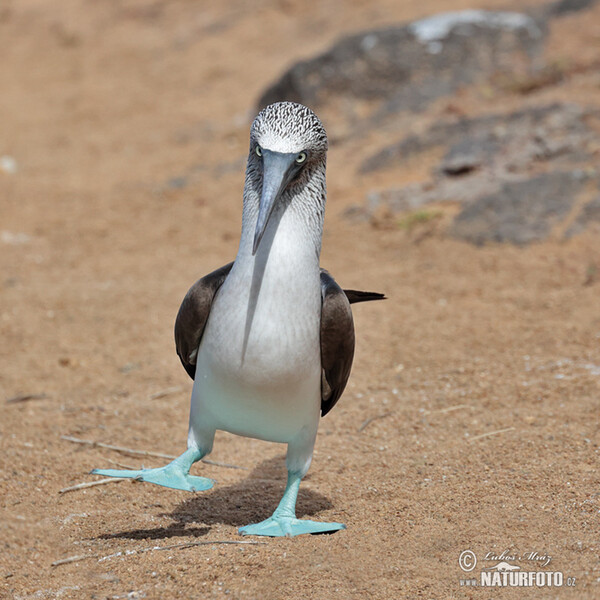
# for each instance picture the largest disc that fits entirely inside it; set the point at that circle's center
(277, 289)
(295, 229)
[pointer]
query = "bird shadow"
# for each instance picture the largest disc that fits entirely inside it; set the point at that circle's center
(248, 501)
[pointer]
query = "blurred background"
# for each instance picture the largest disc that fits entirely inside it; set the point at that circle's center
(462, 181)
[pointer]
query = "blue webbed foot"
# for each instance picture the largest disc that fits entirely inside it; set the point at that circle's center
(283, 521)
(167, 477)
(279, 526)
(175, 475)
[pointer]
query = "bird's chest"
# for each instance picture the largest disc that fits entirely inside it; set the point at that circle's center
(264, 327)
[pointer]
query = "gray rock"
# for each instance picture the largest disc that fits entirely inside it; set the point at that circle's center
(177, 183)
(522, 211)
(409, 66)
(514, 139)
(566, 7)
(455, 190)
(487, 169)
(590, 213)
(468, 155)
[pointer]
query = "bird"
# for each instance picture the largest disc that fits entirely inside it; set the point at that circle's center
(269, 338)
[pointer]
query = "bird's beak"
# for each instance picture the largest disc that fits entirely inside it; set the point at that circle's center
(278, 171)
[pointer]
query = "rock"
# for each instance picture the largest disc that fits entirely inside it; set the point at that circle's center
(468, 155)
(177, 183)
(487, 168)
(566, 7)
(454, 190)
(511, 140)
(409, 66)
(590, 213)
(522, 211)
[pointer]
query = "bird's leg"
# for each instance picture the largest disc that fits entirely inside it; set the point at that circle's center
(175, 475)
(283, 521)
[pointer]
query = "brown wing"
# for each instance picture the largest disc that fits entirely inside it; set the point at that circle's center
(337, 337)
(193, 315)
(337, 341)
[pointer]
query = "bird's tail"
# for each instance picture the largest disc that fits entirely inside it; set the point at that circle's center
(355, 296)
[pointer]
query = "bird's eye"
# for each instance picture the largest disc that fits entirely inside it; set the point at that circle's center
(258, 151)
(301, 158)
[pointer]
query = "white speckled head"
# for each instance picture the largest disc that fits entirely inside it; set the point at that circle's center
(285, 187)
(289, 127)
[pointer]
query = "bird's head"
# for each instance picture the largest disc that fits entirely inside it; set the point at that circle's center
(288, 144)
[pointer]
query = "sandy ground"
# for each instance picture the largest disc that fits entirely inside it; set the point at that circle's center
(480, 373)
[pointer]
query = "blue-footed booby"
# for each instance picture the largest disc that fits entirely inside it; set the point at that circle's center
(269, 338)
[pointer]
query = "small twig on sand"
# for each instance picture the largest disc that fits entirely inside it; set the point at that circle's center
(484, 435)
(166, 392)
(75, 440)
(447, 409)
(203, 543)
(87, 484)
(371, 419)
(72, 559)
(178, 547)
(26, 398)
